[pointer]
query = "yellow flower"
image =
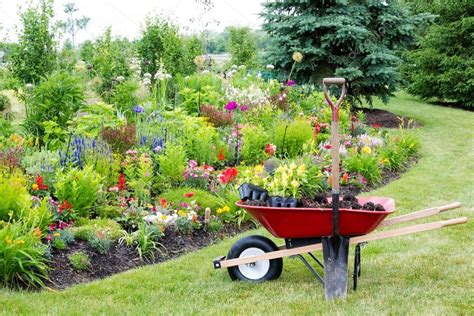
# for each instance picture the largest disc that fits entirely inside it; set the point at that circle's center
(56, 234)
(366, 150)
(19, 242)
(226, 208)
(163, 217)
(37, 232)
(384, 161)
(301, 170)
(298, 57)
(258, 169)
(295, 184)
(16, 139)
(34, 187)
(8, 240)
(292, 166)
(182, 213)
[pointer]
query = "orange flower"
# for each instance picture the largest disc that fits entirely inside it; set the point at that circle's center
(221, 156)
(163, 202)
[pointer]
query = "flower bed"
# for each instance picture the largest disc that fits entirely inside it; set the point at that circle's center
(151, 181)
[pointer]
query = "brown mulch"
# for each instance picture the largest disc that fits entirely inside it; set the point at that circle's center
(387, 119)
(121, 258)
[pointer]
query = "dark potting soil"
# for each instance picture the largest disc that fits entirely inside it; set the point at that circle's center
(121, 258)
(387, 119)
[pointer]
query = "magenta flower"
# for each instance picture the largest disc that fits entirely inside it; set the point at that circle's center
(231, 106)
(244, 108)
(290, 83)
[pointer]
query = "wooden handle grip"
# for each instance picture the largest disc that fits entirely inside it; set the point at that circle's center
(455, 221)
(449, 206)
(334, 81)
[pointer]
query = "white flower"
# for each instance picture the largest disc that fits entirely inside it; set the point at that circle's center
(146, 81)
(147, 75)
(205, 71)
(29, 86)
(120, 78)
(168, 76)
(259, 75)
(270, 67)
(233, 67)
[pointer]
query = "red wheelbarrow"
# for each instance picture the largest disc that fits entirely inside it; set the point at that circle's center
(306, 230)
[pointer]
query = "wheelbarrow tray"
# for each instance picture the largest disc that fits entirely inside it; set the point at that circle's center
(285, 222)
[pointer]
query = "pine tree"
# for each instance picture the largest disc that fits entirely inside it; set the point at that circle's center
(443, 65)
(357, 40)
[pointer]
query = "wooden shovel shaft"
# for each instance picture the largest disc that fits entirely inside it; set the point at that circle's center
(371, 237)
(420, 214)
(335, 156)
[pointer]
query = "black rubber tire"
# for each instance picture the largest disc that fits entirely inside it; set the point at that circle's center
(255, 241)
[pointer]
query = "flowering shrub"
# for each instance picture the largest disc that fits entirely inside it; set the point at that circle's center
(22, 256)
(198, 176)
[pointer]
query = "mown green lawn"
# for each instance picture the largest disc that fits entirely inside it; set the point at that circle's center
(427, 273)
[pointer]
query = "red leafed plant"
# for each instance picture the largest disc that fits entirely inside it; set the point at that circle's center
(121, 138)
(215, 116)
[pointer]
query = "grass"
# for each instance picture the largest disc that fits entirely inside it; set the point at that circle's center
(427, 273)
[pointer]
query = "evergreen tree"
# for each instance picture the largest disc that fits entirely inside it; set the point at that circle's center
(443, 65)
(357, 40)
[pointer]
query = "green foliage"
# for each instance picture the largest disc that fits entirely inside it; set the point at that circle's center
(4, 102)
(39, 216)
(161, 43)
(443, 65)
(81, 188)
(200, 140)
(54, 135)
(203, 198)
(22, 256)
(292, 136)
(254, 139)
(14, 195)
(139, 174)
(110, 61)
(6, 128)
(172, 164)
(199, 89)
(56, 99)
(123, 96)
(84, 228)
(242, 46)
(184, 226)
(355, 40)
(35, 54)
(100, 241)
(365, 164)
(96, 117)
(80, 260)
(145, 238)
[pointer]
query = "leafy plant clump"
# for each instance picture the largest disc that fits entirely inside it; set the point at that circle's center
(80, 260)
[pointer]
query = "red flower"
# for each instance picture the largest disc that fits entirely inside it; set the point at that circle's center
(189, 195)
(49, 237)
(327, 146)
(122, 184)
(163, 202)
(376, 125)
(227, 175)
(40, 183)
(270, 149)
(221, 156)
(64, 206)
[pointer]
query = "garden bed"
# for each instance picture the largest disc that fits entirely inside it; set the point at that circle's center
(121, 258)
(383, 118)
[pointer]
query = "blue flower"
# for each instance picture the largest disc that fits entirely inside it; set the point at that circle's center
(138, 109)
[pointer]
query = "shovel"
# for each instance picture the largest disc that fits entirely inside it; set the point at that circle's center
(335, 247)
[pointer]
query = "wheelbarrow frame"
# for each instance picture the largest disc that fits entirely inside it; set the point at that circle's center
(293, 248)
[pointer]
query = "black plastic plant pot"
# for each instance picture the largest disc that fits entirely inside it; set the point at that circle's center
(250, 192)
(278, 201)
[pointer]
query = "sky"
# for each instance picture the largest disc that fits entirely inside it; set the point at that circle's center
(127, 17)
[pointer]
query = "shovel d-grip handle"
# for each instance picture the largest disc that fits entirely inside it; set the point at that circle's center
(334, 107)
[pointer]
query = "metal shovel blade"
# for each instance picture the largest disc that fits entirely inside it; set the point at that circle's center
(335, 251)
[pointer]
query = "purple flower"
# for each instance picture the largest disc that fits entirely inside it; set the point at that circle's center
(244, 108)
(138, 109)
(290, 83)
(231, 106)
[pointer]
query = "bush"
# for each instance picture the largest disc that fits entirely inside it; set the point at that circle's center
(81, 188)
(172, 164)
(123, 96)
(292, 136)
(84, 228)
(4, 102)
(200, 140)
(242, 46)
(22, 256)
(14, 196)
(365, 164)
(120, 138)
(203, 198)
(56, 99)
(80, 260)
(254, 139)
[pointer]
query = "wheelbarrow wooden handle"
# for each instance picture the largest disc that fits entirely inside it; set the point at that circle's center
(420, 214)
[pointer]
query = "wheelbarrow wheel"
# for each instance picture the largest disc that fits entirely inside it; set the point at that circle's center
(259, 271)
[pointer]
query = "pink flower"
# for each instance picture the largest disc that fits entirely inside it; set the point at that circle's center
(231, 106)
(290, 83)
(244, 108)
